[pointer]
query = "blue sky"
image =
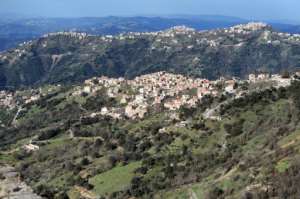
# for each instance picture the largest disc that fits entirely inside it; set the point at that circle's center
(250, 9)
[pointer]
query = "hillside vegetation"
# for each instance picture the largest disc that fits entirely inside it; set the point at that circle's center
(74, 57)
(252, 151)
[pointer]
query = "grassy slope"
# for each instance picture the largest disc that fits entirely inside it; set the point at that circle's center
(116, 179)
(266, 145)
(236, 179)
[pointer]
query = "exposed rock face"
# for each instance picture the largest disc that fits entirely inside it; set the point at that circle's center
(12, 187)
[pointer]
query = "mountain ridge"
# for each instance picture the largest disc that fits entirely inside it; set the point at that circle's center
(14, 30)
(68, 57)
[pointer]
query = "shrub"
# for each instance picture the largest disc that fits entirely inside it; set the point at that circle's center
(84, 162)
(98, 142)
(215, 192)
(49, 133)
(235, 129)
(294, 90)
(2, 177)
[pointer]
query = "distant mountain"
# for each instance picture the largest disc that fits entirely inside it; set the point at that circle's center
(14, 30)
(294, 29)
(74, 57)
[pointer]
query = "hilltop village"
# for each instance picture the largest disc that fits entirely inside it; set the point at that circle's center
(157, 90)
(169, 91)
(170, 38)
(242, 29)
(209, 39)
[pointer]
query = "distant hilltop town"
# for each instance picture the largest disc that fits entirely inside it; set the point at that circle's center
(229, 52)
(169, 38)
(243, 29)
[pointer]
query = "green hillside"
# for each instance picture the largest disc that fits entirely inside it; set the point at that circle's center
(251, 152)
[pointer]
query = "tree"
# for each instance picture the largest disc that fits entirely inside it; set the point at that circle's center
(236, 128)
(295, 93)
(84, 162)
(215, 192)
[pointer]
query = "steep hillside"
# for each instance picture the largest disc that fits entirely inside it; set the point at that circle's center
(66, 144)
(73, 57)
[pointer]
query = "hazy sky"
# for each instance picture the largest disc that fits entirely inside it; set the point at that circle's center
(251, 9)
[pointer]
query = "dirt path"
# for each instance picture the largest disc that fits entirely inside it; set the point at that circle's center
(12, 188)
(16, 116)
(211, 113)
(228, 174)
(85, 193)
(292, 142)
(192, 194)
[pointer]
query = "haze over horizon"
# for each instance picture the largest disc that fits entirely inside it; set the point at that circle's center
(255, 10)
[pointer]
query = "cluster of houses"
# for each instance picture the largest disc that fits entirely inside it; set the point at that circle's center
(7, 99)
(169, 91)
(165, 90)
(160, 89)
(18, 52)
(244, 28)
(288, 36)
(10, 99)
(167, 39)
(278, 80)
(33, 95)
(159, 36)
(32, 98)
(136, 97)
(176, 30)
(294, 37)
(170, 33)
(68, 34)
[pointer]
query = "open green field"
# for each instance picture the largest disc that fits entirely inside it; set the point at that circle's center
(116, 179)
